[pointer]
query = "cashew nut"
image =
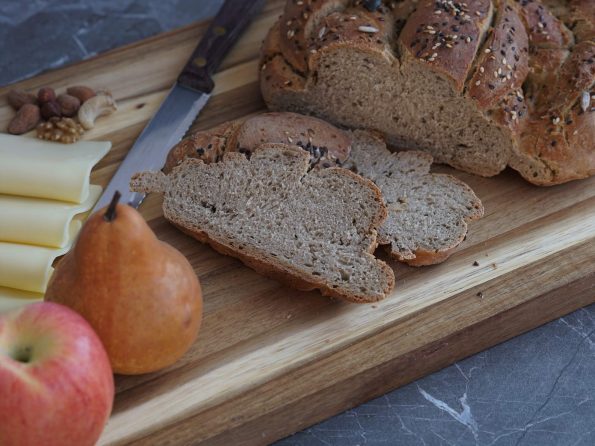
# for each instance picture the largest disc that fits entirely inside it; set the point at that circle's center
(100, 105)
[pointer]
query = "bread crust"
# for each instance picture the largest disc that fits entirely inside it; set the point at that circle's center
(556, 144)
(424, 30)
(290, 277)
(545, 30)
(297, 22)
(328, 146)
(541, 57)
(208, 146)
(502, 63)
(579, 16)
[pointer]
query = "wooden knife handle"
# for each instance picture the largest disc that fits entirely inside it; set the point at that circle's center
(232, 19)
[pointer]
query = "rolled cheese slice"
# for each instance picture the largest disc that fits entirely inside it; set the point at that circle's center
(34, 168)
(27, 267)
(11, 299)
(42, 222)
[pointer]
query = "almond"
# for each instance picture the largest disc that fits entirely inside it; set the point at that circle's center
(18, 98)
(69, 105)
(51, 109)
(81, 92)
(46, 94)
(26, 119)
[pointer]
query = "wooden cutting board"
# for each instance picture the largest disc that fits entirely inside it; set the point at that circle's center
(271, 360)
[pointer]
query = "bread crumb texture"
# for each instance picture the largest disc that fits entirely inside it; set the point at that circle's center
(427, 212)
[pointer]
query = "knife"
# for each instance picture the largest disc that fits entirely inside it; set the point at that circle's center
(186, 99)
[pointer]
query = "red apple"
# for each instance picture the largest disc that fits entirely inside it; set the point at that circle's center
(56, 382)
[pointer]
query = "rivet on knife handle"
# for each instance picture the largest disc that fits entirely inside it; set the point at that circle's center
(233, 17)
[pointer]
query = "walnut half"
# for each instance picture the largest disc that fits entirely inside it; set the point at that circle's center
(64, 130)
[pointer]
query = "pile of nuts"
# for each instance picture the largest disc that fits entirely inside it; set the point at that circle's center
(62, 118)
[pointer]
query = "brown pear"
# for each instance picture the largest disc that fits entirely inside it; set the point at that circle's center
(140, 294)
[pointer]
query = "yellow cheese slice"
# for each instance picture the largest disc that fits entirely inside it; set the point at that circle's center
(27, 267)
(11, 299)
(35, 168)
(42, 222)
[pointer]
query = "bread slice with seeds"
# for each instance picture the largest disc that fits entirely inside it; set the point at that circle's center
(314, 230)
(427, 213)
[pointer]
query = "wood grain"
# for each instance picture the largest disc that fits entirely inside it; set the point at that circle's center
(271, 360)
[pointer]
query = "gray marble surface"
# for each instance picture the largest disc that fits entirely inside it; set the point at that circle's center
(537, 389)
(39, 34)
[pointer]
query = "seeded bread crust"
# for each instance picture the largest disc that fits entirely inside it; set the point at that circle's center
(519, 74)
(208, 146)
(427, 213)
(454, 63)
(328, 146)
(193, 199)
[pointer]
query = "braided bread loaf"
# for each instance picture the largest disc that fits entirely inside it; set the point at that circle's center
(480, 85)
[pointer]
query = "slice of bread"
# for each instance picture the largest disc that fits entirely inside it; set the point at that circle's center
(314, 230)
(427, 212)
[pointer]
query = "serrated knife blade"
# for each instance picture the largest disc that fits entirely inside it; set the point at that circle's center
(184, 102)
(149, 152)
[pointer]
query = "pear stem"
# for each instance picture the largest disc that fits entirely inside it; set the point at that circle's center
(110, 213)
